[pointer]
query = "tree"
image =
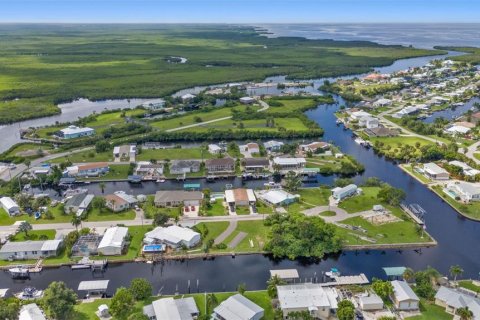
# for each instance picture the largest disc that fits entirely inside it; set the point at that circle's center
(59, 300)
(102, 146)
(455, 271)
(9, 309)
(212, 301)
(140, 288)
(343, 182)
(101, 185)
(465, 313)
(392, 196)
(76, 221)
(346, 310)
(138, 316)
(160, 219)
(292, 181)
(27, 162)
(242, 287)
(122, 303)
(408, 275)
(272, 284)
(24, 227)
(383, 288)
(99, 203)
(300, 315)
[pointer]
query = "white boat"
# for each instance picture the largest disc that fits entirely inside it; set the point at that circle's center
(360, 141)
(19, 272)
(161, 180)
(29, 293)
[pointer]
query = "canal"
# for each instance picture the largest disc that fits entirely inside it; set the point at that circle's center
(458, 237)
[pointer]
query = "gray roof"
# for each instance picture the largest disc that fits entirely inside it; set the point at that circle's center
(220, 162)
(173, 309)
(22, 246)
(184, 164)
(32, 312)
(177, 196)
(371, 299)
(402, 291)
(237, 307)
(93, 285)
(457, 299)
(76, 200)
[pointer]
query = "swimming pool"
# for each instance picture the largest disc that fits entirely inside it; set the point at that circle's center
(153, 248)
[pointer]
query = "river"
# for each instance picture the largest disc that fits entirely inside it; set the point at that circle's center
(458, 237)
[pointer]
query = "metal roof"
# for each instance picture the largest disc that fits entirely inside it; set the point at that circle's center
(403, 292)
(113, 237)
(93, 285)
(237, 307)
(22, 246)
(394, 271)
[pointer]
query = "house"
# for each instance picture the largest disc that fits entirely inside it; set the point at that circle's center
(278, 197)
(222, 165)
(369, 122)
(184, 166)
(406, 111)
(119, 201)
(314, 146)
(467, 170)
(289, 164)
(86, 245)
(113, 241)
(255, 164)
(247, 100)
(434, 172)
(73, 132)
(250, 147)
(464, 190)
(31, 312)
(187, 97)
(78, 203)
(452, 300)
(149, 171)
(154, 105)
(88, 170)
(475, 118)
(10, 206)
(176, 198)
(382, 102)
(238, 307)
(125, 152)
(173, 236)
(341, 193)
(457, 130)
(215, 149)
(240, 197)
(273, 145)
(357, 115)
(172, 309)
(320, 302)
(23, 250)
(370, 302)
(403, 296)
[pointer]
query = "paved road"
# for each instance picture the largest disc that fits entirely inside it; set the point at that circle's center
(471, 151)
(224, 235)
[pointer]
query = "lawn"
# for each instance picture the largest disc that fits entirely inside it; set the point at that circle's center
(362, 202)
(34, 235)
(431, 311)
(468, 284)
(116, 172)
(85, 156)
(471, 210)
(477, 155)
(216, 209)
(26, 150)
(290, 123)
(214, 229)
(174, 154)
(290, 105)
(314, 196)
(108, 215)
(391, 146)
(408, 168)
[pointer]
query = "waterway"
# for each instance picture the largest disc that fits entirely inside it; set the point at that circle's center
(458, 237)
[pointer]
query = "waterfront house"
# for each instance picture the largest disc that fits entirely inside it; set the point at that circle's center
(247, 100)
(466, 169)
(277, 197)
(176, 198)
(465, 191)
(10, 206)
(255, 164)
(320, 302)
(113, 241)
(240, 197)
(187, 97)
(173, 236)
(215, 149)
(238, 307)
(86, 245)
(119, 201)
(172, 309)
(370, 302)
(31, 312)
(368, 122)
(314, 146)
(149, 171)
(222, 165)
(73, 132)
(23, 250)
(94, 169)
(357, 115)
(251, 147)
(453, 299)
(403, 296)
(341, 193)
(154, 105)
(184, 166)
(289, 164)
(78, 203)
(273, 145)
(435, 172)
(125, 153)
(382, 102)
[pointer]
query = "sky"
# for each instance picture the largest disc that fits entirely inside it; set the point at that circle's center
(239, 11)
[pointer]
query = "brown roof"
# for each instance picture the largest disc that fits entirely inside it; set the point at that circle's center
(220, 162)
(240, 194)
(252, 145)
(114, 198)
(94, 165)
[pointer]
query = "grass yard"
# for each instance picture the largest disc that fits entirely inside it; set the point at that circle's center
(85, 156)
(468, 284)
(174, 154)
(431, 311)
(408, 168)
(290, 105)
(216, 209)
(362, 202)
(471, 210)
(214, 229)
(116, 172)
(294, 124)
(314, 196)
(328, 214)
(108, 215)
(27, 151)
(34, 235)
(477, 155)
(391, 146)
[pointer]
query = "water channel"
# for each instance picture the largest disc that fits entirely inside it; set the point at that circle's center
(458, 237)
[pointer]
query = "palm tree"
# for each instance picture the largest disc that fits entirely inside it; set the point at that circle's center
(76, 221)
(465, 313)
(408, 275)
(292, 181)
(455, 271)
(212, 301)
(25, 226)
(272, 284)
(101, 185)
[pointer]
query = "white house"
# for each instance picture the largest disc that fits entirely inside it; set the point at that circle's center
(240, 197)
(317, 300)
(247, 100)
(359, 114)
(187, 97)
(403, 296)
(341, 193)
(172, 309)
(457, 130)
(370, 302)
(214, 149)
(113, 241)
(464, 190)
(238, 307)
(288, 164)
(22, 250)
(31, 312)
(73, 132)
(250, 147)
(434, 172)
(273, 145)
(278, 197)
(10, 206)
(467, 170)
(173, 236)
(452, 300)
(369, 122)
(314, 146)
(382, 102)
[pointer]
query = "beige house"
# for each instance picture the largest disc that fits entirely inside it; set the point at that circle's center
(176, 198)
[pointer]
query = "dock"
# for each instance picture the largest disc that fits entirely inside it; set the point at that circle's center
(93, 265)
(37, 268)
(412, 214)
(347, 280)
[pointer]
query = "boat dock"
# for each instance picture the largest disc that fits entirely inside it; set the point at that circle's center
(412, 214)
(37, 268)
(94, 265)
(347, 280)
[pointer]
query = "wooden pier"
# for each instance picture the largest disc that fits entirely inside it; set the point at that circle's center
(412, 215)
